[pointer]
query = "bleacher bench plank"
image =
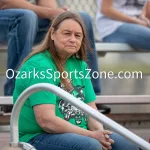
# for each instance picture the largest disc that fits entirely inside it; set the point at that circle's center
(114, 47)
(120, 117)
(5, 119)
(100, 47)
(111, 99)
(130, 117)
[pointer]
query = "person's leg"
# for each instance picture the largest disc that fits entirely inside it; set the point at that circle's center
(121, 143)
(92, 60)
(67, 141)
(22, 28)
(3, 28)
(91, 56)
(43, 26)
(20, 25)
(133, 34)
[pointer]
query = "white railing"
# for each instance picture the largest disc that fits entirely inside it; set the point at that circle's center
(76, 102)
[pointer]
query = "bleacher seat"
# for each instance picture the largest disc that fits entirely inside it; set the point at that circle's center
(102, 47)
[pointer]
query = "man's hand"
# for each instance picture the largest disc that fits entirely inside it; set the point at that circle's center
(58, 11)
(66, 8)
(140, 22)
(146, 20)
(55, 13)
(103, 138)
(41, 10)
(61, 10)
(143, 23)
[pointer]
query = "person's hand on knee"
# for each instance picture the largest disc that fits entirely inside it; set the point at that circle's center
(106, 134)
(147, 21)
(100, 136)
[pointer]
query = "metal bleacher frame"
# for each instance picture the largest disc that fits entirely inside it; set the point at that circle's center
(111, 100)
(102, 49)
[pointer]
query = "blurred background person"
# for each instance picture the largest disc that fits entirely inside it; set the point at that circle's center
(124, 21)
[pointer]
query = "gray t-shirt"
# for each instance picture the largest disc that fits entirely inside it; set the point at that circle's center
(106, 25)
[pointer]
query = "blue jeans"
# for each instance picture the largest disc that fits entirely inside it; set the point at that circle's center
(135, 35)
(91, 56)
(71, 141)
(22, 29)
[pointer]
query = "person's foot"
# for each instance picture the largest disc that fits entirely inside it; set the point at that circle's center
(7, 108)
(103, 108)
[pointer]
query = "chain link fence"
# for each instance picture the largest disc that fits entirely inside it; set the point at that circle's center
(89, 6)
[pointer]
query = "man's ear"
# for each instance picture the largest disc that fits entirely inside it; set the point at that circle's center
(52, 34)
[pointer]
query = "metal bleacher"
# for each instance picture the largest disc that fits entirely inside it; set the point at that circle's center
(104, 99)
(102, 50)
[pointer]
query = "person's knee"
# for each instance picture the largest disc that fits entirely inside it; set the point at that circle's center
(86, 18)
(85, 15)
(27, 23)
(121, 143)
(84, 142)
(95, 145)
(91, 144)
(30, 17)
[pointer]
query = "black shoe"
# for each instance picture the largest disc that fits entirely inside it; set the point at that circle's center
(7, 108)
(103, 109)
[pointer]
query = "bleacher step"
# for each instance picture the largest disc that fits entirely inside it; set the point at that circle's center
(120, 118)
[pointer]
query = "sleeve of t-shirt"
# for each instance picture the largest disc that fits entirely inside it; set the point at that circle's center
(42, 97)
(89, 91)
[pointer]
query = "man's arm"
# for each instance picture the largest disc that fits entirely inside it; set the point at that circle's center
(144, 10)
(145, 15)
(92, 123)
(47, 3)
(43, 9)
(147, 10)
(108, 10)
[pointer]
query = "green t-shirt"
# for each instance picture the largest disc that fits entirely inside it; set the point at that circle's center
(41, 68)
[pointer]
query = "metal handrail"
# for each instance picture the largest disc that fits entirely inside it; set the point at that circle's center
(74, 101)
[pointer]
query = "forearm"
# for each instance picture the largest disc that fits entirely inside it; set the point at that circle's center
(47, 3)
(41, 11)
(94, 125)
(147, 10)
(58, 125)
(116, 15)
(144, 10)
